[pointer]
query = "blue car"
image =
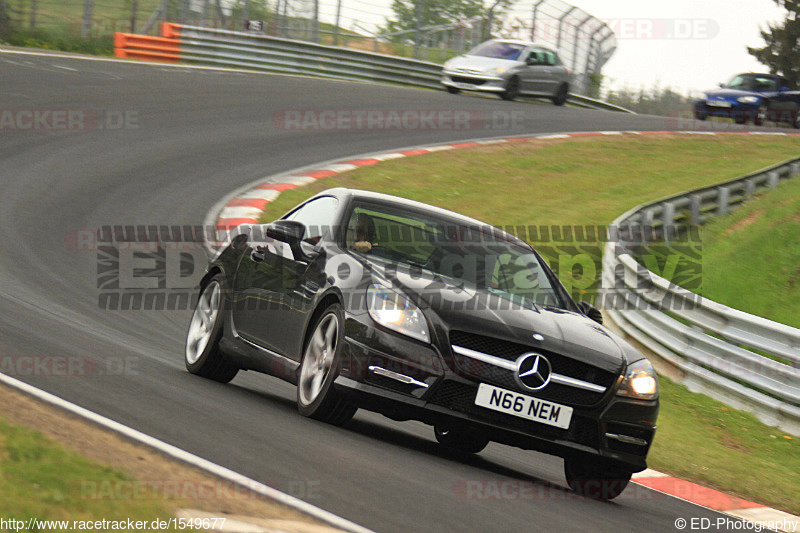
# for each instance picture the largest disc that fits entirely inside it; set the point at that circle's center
(755, 97)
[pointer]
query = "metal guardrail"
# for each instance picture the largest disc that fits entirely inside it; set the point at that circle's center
(592, 103)
(237, 49)
(225, 48)
(744, 360)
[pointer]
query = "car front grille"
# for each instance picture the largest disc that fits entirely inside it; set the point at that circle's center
(465, 79)
(510, 351)
(461, 398)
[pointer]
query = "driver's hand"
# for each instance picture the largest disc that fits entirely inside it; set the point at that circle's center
(362, 246)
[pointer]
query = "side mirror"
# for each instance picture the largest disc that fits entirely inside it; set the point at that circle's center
(591, 311)
(289, 231)
(532, 61)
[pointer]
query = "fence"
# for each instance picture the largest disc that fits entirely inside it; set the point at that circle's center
(744, 360)
(585, 43)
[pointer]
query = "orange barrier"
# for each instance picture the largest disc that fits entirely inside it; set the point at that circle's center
(146, 48)
(170, 30)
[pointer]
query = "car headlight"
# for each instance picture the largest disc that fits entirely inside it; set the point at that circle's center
(640, 381)
(396, 312)
(498, 70)
(748, 99)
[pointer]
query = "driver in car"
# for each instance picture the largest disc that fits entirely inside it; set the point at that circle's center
(365, 233)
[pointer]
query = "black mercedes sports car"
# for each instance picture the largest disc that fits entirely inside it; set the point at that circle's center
(365, 300)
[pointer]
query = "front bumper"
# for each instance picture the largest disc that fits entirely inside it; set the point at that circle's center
(735, 111)
(424, 387)
(473, 81)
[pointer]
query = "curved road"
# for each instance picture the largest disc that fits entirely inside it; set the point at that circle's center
(192, 136)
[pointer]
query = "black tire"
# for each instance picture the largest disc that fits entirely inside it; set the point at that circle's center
(595, 478)
(452, 90)
(202, 354)
(316, 397)
(740, 119)
(512, 89)
(560, 98)
(461, 439)
(699, 115)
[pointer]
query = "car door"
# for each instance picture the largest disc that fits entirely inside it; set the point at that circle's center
(274, 290)
(783, 104)
(554, 72)
(533, 73)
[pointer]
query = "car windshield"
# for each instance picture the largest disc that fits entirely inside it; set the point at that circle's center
(498, 49)
(752, 82)
(478, 256)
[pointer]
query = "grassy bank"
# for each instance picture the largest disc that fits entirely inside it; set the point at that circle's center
(750, 257)
(55, 466)
(41, 479)
(591, 181)
(546, 182)
(58, 24)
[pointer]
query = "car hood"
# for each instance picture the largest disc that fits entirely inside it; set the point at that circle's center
(730, 94)
(482, 312)
(479, 63)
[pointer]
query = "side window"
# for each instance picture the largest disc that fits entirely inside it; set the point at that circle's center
(551, 58)
(318, 217)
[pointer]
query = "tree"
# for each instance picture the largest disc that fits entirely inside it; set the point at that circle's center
(5, 20)
(782, 51)
(434, 13)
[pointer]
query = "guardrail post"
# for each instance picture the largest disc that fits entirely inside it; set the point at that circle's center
(647, 223)
(772, 179)
(695, 202)
(750, 188)
(668, 221)
(723, 200)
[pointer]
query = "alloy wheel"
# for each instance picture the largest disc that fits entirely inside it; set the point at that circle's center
(318, 359)
(202, 325)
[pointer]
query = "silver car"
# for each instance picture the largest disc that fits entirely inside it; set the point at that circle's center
(509, 68)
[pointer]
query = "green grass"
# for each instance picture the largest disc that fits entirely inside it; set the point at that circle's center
(750, 257)
(42, 479)
(59, 24)
(67, 15)
(583, 181)
(703, 440)
(592, 181)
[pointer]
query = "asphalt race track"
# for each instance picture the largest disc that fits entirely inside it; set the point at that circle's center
(173, 142)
